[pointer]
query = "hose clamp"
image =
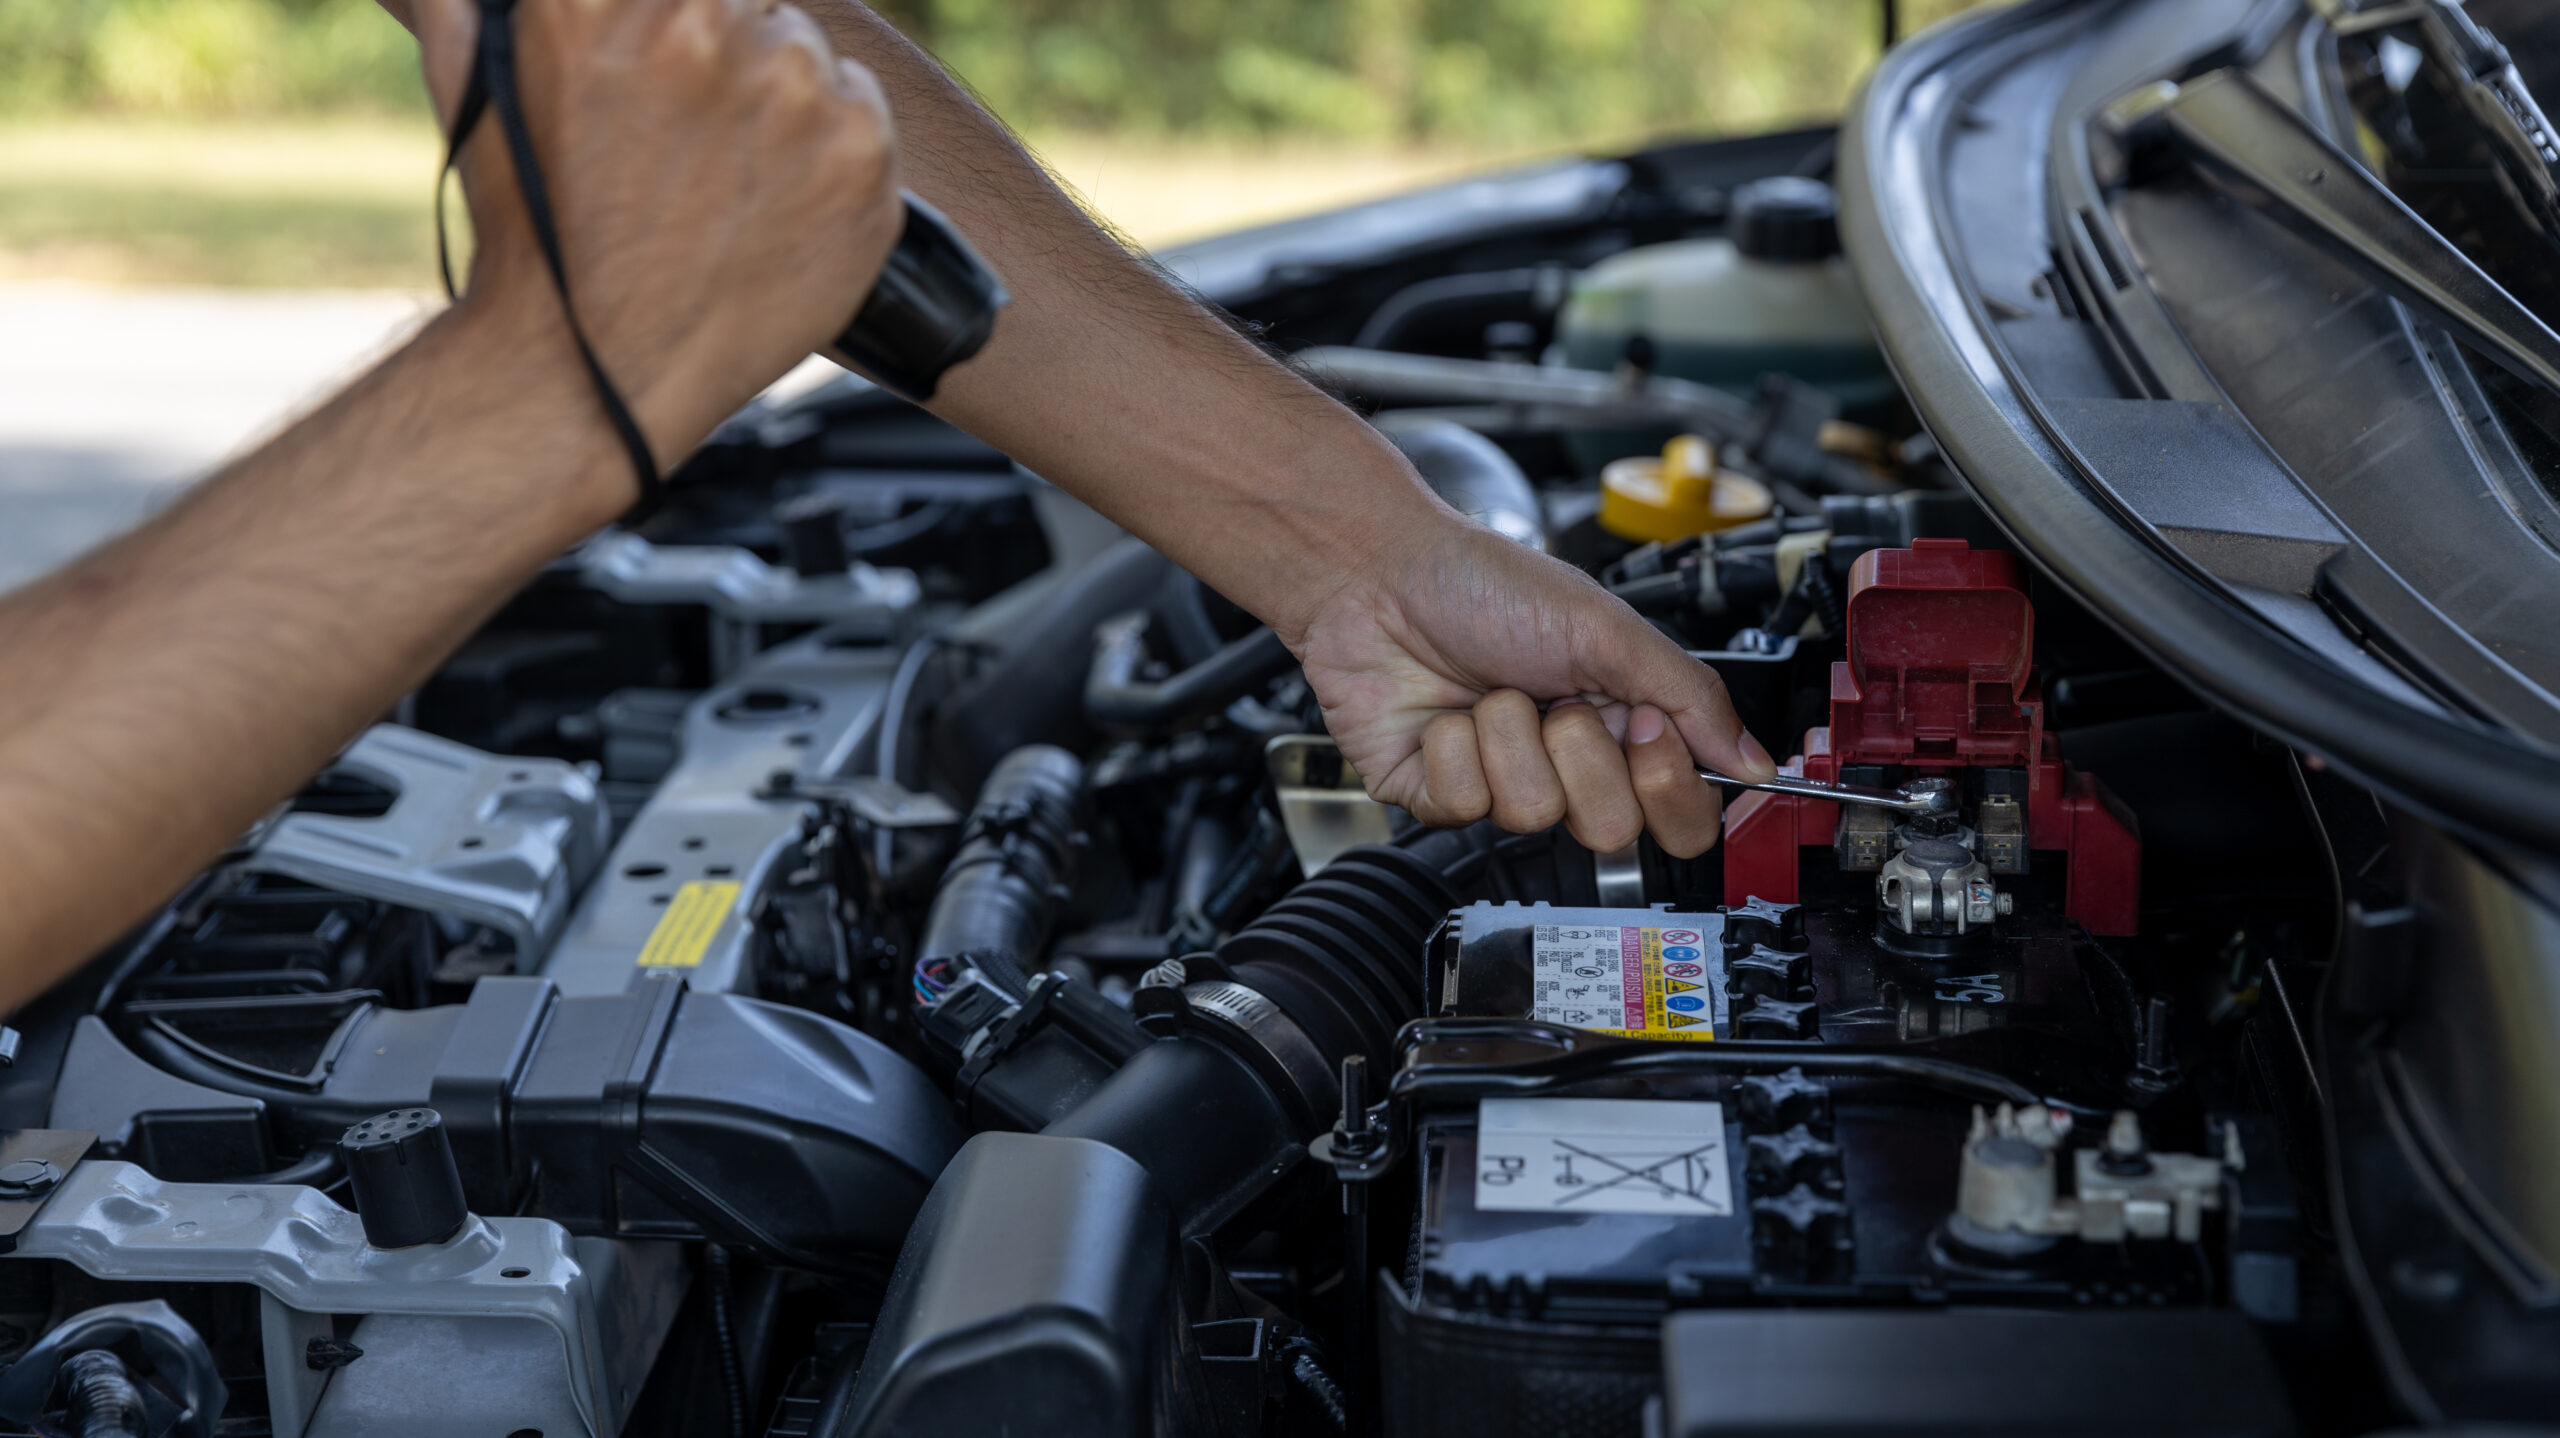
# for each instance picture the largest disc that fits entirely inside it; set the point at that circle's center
(1284, 1048)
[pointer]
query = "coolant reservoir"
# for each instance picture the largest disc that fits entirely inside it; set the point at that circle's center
(1772, 295)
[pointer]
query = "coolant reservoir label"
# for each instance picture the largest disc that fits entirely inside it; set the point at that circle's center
(1601, 1155)
(1645, 982)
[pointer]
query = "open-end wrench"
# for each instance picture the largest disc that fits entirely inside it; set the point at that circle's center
(1919, 797)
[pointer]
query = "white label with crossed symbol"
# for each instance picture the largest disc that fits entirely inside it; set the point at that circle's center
(1602, 1155)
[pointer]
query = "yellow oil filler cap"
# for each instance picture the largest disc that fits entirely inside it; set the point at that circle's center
(1655, 500)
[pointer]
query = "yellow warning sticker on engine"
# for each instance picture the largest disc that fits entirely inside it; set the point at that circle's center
(1640, 981)
(692, 920)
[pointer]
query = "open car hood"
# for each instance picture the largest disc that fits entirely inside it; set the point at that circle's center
(2261, 452)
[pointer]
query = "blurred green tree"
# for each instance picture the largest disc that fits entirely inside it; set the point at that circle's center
(1487, 72)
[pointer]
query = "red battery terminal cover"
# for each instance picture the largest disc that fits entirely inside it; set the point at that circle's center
(1940, 679)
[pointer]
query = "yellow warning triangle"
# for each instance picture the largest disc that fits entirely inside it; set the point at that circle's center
(1677, 986)
(1684, 1021)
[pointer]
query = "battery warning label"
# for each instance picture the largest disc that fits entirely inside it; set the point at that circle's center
(1602, 1156)
(1637, 980)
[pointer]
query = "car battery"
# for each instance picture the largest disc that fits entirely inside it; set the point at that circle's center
(1559, 1222)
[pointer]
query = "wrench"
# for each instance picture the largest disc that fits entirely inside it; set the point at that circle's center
(1919, 797)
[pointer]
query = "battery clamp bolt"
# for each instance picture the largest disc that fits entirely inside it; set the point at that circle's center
(1361, 1145)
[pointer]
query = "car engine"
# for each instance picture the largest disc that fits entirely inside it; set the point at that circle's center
(873, 949)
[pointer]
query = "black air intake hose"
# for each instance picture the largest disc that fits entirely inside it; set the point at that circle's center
(1016, 862)
(1000, 1314)
(1244, 1073)
(1341, 954)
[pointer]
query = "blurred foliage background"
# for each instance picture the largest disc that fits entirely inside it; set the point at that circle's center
(285, 141)
(1489, 72)
(203, 57)
(1504, 72)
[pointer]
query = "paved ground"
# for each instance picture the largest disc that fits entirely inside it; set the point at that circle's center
(114, 399)
(111, 400)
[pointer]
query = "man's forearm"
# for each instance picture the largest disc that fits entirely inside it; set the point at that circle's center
(1115, 385)
(165, 689)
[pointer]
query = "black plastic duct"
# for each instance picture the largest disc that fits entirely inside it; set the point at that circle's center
(1031, 1299)
(654, 1113)
(1028, 650)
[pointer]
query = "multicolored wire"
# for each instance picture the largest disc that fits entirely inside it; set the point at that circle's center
(933, 979)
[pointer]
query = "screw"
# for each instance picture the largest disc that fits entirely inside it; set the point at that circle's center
(1940, 821)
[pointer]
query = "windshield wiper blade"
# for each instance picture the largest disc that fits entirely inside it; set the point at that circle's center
(2475, 67)
(2249, 144)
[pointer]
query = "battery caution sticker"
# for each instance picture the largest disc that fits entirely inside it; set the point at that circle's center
(1638, 980)
(1599, 1155)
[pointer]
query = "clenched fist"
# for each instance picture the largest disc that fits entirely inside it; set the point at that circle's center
(724, 186)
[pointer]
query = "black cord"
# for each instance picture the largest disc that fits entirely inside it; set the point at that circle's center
(492, 87)
(1567, 1065)
(318, 1168)
(724, 1336)
(889, 534)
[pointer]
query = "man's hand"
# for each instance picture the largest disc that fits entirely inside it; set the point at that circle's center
(1431, 670)
(724, 186)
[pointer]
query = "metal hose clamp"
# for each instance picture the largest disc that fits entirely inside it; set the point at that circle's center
(1272, 1034)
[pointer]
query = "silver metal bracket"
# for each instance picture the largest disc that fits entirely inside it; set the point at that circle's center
(115, 1221)
(1322, 803)
(744, 593)
(506, 842)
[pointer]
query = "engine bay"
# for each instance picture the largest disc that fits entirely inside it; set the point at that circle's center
(873, 949)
